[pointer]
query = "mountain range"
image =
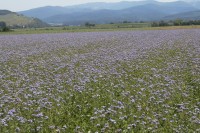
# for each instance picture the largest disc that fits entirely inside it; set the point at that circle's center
(101, 12)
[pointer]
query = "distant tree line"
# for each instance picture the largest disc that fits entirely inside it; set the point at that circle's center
(4, 27)
(87, 24)
(177, 22)
(126, 22)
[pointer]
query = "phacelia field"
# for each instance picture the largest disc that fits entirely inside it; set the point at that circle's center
(100, 82)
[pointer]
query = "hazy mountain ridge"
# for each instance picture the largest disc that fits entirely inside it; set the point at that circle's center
(112, 6)
(193, 15)
(47, 10)
(101, 12)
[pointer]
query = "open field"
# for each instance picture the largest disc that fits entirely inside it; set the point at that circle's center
(97, 28)
(120, 81)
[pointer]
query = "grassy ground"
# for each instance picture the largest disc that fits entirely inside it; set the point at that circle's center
(97, 28)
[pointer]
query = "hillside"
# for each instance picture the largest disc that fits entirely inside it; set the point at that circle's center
(14, 20)
(5, 12)
(193, 15)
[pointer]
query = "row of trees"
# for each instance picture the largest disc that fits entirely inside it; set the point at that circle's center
(4, 27)
(177, 22)
(87, 24)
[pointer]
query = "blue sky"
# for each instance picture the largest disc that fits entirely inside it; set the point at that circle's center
(19, 5)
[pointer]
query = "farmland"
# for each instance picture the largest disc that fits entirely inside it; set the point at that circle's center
(96, 28)
(116, 81)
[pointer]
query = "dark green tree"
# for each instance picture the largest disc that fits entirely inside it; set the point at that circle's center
(2, 24)
(178, 22)
(3, 27)
(87, 24)
(163, 23)
(155, 24)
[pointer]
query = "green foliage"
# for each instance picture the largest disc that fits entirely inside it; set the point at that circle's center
(3, 27)
(126, 22)
(2, 24)
(113, 96)
(87, 24)
(160, 23)
(177, 22)
(155, 24)
(64, 28)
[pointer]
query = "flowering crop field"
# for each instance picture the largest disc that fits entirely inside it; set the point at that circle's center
(122, 81)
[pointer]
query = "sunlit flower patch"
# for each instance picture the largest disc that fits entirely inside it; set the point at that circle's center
(133, 81)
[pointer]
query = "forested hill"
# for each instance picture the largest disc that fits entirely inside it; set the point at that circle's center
(15, 20)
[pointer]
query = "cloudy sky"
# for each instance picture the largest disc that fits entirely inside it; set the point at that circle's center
(19, 5)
